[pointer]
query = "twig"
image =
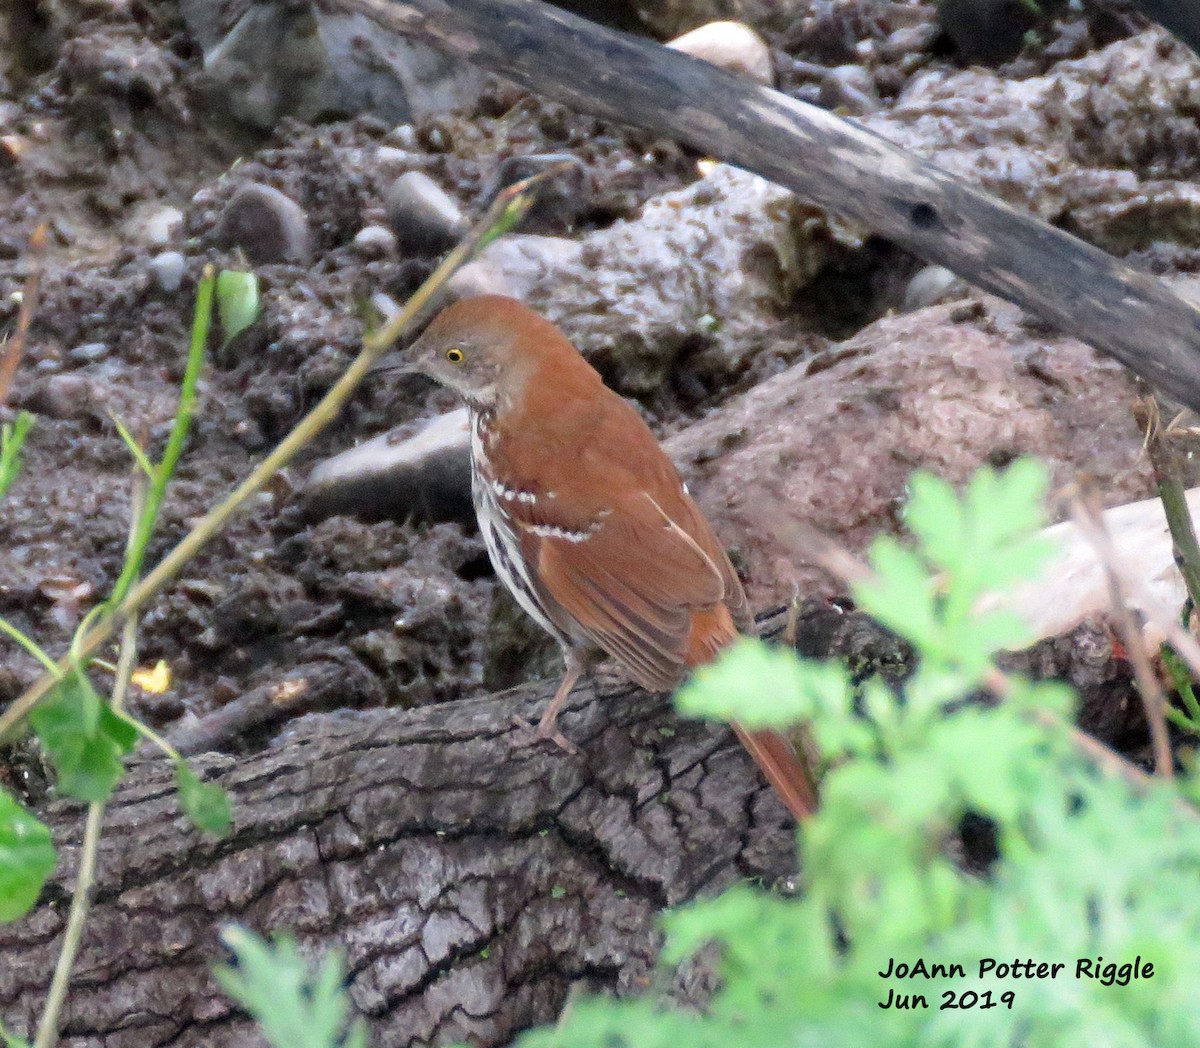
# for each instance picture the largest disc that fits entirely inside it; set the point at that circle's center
(1086, 514)
(505, 211)
(85, 877)
(16, 345)
(1164, 461)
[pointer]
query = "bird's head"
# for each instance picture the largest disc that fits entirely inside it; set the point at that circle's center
(483, 348)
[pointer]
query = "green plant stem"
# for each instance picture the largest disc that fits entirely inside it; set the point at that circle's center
(162, 473)
(81, 901)
(85, 877)
(152, 737)
(1164, 462)
(30, 645)
(1183, 534)
(1181, 720)
(505, 211)
(1182, 683)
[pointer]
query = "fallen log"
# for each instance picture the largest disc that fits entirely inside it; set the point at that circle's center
(470, 880)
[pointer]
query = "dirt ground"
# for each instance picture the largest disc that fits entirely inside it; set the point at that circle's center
(105, 129)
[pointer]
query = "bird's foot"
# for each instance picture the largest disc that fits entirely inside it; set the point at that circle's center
(531, 735)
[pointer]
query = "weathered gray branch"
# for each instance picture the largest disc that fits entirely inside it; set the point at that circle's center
(830, 161)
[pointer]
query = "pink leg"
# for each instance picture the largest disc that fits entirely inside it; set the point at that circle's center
(572, 671)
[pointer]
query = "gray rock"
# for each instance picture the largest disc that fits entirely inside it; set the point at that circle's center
(425, 475)
(61, 396)
(374, 242)
(515, 265)
(424, 217)
(285, 59)
(931, 285)
(833, 442)
(710, 266)
(729, 45)
(268, 225)
(849, 86)
(155, 225)
(561, 199)
(167, 269)
(1072, 146)
(88, 353)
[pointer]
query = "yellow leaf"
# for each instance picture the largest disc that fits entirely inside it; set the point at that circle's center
(155, 680)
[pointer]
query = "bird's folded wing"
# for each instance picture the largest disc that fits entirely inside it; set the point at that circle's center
(631, 578)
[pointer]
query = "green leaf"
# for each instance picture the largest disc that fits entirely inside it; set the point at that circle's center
(762, 686)
(936, 517)
(901, 595)
(12, 440)
(238, 304)
(134, 448)
(83, 738)
(26, 858)
(295, 1007)
(205, 803)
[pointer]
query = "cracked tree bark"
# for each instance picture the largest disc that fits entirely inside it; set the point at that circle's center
(470, 882)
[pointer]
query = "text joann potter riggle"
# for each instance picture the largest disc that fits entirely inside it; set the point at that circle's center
(1108, 973)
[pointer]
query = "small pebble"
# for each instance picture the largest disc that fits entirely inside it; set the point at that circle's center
(423, 216)
(88, 353)
(729, 45)
(155, 226)
(402, 136)
(60, 396)
(849, 85)
(167, 269)
(268, 225)
(931, 285)
(391, 156)
(12, 149)
(375, 242)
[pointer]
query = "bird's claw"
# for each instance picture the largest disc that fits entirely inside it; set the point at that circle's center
(533, 734)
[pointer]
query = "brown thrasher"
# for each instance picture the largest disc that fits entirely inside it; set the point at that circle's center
(584, 516)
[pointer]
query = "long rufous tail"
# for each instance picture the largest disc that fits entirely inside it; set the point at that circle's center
(775, 756)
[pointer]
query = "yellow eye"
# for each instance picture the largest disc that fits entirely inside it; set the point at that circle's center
(455, 355)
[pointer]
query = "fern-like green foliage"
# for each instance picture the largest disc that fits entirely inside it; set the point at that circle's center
(296, 1006)
(1090, 868)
